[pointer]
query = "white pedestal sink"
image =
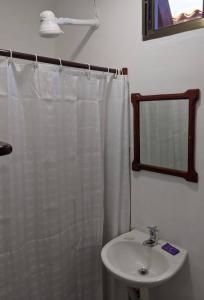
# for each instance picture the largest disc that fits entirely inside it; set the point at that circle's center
(126, 255)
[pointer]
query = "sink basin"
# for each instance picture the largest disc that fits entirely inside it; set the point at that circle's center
(141, 266)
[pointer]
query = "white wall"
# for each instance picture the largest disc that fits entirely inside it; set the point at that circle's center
(172, 64)
(19, 26)
(106, 46)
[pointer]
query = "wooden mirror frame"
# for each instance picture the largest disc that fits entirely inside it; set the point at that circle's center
(192, 96)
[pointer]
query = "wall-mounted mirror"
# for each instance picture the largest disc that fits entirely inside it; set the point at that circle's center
(164, 133)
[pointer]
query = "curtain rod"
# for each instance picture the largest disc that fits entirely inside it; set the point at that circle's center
(56, 61)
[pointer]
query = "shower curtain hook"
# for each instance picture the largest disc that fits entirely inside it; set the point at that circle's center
(10, 57)
(36, 62)
(61, 65)
(116, 73)
(107, 76)
(89, 74)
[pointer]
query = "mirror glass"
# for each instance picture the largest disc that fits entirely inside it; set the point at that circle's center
(173, 12)
(164, 133)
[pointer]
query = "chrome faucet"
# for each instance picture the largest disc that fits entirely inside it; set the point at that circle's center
(153, 238)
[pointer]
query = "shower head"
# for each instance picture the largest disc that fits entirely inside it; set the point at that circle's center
(50, 28)
(5, 149)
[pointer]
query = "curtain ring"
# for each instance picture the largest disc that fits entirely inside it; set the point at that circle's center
(107, 76)
(61, 65)
(11, 54)
(89, 74)
(10, 57)
(36, 62)
(116, 73)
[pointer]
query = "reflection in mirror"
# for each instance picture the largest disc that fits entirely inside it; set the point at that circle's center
(173, 12)
(164, 133)
(166, 17)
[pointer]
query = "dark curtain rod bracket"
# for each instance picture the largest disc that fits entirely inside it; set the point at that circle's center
(5, 149)
(55, 61)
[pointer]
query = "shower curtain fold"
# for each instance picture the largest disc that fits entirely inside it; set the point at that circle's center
(59, 183)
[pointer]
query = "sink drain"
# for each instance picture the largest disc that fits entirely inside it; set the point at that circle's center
(143, 271)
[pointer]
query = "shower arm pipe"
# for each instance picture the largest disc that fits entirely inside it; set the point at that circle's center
(56, 61)
(69, 21)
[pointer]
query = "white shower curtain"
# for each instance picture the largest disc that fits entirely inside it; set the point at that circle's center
(66, 181)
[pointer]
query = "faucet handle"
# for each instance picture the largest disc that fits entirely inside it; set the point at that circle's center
(153, 228)
(153, 236)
